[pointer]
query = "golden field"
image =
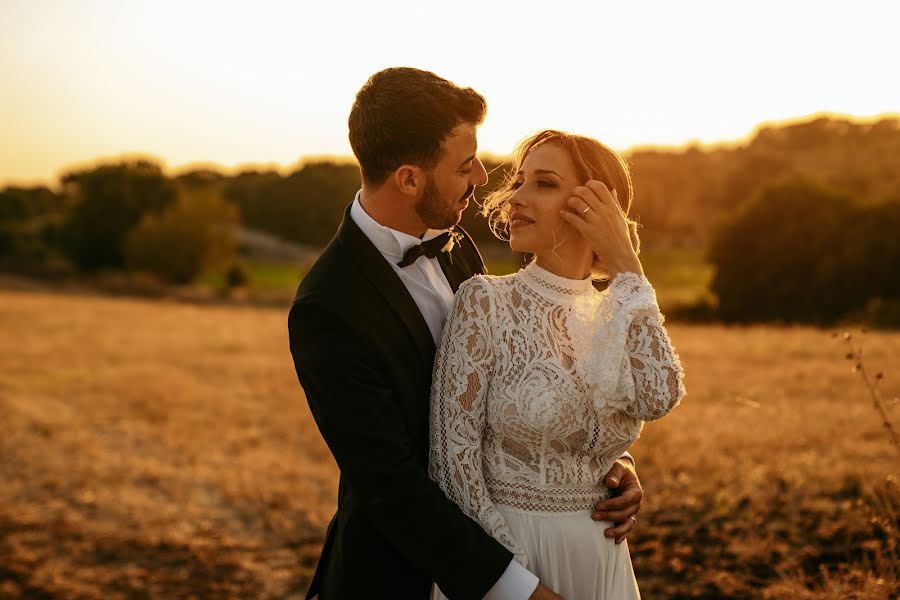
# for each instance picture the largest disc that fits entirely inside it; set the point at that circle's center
(165, 450)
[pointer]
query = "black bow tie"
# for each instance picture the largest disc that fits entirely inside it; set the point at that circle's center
(431, 248)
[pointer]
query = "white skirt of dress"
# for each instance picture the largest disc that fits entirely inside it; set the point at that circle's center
(571, 556)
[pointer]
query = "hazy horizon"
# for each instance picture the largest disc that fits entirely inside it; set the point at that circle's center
(52, 180)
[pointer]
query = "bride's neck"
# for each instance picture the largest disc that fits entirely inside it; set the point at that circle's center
(569, 267)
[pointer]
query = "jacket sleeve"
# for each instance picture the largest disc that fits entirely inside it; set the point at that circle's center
(365, 429)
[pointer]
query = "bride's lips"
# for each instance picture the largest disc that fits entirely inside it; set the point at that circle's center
(519, 220)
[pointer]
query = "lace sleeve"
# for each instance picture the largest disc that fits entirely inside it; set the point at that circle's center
(459, 390)
(651, 383)
(633, 366)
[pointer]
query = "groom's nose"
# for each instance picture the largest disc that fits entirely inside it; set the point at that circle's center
(479, 174)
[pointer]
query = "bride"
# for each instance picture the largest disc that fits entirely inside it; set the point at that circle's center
(541, 381)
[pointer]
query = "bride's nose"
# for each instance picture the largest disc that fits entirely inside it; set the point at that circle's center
(516, 199)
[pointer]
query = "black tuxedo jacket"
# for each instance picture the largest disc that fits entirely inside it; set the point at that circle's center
(364, 354)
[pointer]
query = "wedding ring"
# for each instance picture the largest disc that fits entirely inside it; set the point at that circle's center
(586, 208)
(633, 519)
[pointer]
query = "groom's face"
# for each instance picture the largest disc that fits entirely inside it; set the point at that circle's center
(452, 182)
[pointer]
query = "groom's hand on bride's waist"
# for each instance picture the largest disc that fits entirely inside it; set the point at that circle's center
(622, 508)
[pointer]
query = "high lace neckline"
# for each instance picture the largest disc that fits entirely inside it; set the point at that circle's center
(552, 285)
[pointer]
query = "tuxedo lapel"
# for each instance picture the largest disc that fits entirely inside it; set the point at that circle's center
(452, 270)
(383, 278)
(462, 262)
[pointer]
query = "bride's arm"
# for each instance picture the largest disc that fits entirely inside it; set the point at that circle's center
(646, 379)
(459, 389)
(631, 364)
(654, 368)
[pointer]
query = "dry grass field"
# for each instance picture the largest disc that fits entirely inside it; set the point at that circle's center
(164, 450)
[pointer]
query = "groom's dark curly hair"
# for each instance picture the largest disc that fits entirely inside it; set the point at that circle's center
(402, 115)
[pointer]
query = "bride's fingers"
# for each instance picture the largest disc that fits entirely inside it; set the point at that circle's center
(607, 196)
(599, 189)
(576, 221)
(618, 206)
(588, 196)
(582, 208)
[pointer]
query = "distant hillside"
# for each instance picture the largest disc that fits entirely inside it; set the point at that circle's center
(264, 246)
(680, 195)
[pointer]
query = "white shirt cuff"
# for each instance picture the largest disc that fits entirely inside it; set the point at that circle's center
(516, 583)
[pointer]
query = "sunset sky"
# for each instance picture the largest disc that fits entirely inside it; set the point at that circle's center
(263, 82)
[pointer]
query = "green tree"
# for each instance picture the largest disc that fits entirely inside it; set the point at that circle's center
(306, 206)
(22, 204)
(783, 256)
(29, 220)
(108, 201)
(871, 254)
(195, 233)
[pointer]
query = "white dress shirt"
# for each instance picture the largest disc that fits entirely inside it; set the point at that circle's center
(431, 292)
(424, 279)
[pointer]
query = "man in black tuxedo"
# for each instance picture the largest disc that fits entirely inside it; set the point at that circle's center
(363, 331)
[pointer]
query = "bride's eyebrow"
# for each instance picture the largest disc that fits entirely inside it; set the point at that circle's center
(541, 172)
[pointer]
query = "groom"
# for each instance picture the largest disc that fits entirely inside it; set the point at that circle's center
(363, 330)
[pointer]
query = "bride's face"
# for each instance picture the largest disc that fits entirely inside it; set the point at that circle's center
(542, 188)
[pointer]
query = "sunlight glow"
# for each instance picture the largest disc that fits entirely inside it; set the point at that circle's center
(269, 82)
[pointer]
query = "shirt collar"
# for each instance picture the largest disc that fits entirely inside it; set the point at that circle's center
(388, 241)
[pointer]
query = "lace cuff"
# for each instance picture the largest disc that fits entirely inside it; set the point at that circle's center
(605, 369)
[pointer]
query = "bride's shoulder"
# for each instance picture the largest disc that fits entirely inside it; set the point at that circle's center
(489, 284)
(475, 285)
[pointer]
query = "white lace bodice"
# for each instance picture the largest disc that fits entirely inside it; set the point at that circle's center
(540, 384)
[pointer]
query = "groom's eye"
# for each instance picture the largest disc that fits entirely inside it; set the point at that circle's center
(545, 183)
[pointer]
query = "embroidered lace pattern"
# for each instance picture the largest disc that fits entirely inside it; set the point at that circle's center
(540, 384)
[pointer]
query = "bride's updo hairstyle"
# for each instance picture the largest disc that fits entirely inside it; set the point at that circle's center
(592, 160)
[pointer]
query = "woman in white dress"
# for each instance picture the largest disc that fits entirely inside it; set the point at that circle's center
(541, 382)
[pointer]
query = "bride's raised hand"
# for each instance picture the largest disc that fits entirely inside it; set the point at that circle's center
(596, 214)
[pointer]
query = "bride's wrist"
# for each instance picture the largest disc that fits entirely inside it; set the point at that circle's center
(625, 265)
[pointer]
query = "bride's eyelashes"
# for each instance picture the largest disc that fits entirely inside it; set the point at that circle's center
(541, 184)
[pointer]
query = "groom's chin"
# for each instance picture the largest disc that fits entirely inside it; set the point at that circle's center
(451, 220)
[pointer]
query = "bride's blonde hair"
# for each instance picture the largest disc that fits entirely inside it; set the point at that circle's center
(592, 160)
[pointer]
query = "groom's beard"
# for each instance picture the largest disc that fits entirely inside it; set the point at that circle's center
(435, 212)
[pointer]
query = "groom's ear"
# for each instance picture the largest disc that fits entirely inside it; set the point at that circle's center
(410, 180)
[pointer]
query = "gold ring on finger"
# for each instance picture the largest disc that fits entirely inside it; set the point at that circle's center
(586, 209)
(633, 519)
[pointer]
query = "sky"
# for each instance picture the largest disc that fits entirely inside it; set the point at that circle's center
(267, 83)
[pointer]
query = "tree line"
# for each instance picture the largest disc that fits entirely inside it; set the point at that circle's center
(772, 197)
